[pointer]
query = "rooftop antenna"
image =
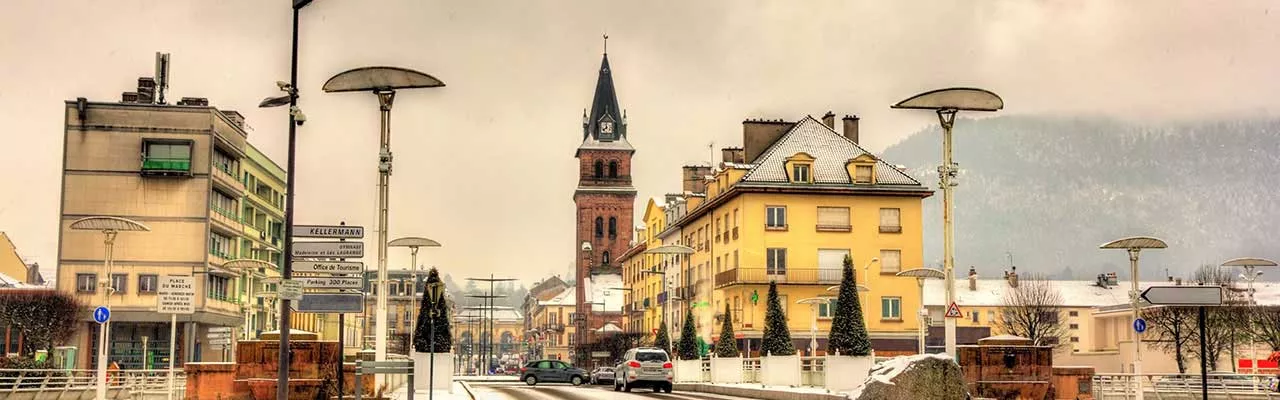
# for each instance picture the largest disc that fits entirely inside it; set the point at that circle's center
(162, 77)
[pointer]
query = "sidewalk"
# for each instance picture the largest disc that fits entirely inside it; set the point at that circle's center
(459, 393)
(758, 391)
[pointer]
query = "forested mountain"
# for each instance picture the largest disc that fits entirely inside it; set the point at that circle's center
(1049, 190)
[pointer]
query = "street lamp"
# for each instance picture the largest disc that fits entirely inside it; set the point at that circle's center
(921, 274)
(1134, 245)
(669, 249)
(413, 243)
(813, 303)
(383, 82)
(946, 103)
(435, 292)
(1249, 275)
(110, 227)
(248, 268)
(490, 300)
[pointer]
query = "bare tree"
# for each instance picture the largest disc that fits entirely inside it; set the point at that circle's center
(1226, 324)
(1265, 323)
(1032, 310)
(1171, 330)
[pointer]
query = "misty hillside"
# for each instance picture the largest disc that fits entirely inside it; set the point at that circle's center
(1050, 190)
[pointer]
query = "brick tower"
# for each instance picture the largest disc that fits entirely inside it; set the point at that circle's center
(604, 197)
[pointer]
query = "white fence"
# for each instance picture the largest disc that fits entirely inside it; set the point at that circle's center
(1180, 386)
(812, 370)
(43, 384)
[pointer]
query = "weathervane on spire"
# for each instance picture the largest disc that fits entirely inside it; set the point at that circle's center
(606, 44)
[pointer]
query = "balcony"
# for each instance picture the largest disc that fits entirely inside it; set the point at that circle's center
(890, 229)
(792, 276)
(226, 221)
(156, 166)
(225, 177)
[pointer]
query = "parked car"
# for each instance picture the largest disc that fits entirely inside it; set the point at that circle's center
(644, 367)
(551, 371)
(602, 375)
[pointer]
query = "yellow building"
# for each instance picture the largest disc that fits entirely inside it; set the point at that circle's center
(13, 266)
(471, 336)
(643, 275)
(787, 208)
(550, 333)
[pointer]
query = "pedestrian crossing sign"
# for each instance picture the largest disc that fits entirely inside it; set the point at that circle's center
(953, 311)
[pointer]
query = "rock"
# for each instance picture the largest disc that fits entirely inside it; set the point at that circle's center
(929, 376)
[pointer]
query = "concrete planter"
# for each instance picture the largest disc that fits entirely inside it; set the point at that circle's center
(780, 370)
(443, 371)
(688, 370)
(727, 370)
(845, 373)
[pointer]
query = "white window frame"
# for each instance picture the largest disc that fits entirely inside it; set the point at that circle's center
(887, 308)
(776, 261)
(775, 217)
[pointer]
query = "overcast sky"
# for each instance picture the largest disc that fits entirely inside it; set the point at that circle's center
(486, 164)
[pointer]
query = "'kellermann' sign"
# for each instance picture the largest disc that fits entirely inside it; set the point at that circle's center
(328, 231)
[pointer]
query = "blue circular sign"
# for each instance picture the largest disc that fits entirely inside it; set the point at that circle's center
(1140, 325)
(101, 314)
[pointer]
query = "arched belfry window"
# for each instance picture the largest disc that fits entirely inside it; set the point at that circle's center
(604, 259)
(613, 227)
(599, 169)
(599, 227)
(613, 169)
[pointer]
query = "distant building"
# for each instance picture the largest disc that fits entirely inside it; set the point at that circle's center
(548, 331)
(403, 288)
(14, 266)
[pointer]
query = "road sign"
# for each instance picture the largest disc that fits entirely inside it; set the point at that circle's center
(1183, 295)
(176, 295)
(329, 267)
(328, 231)
(219, 335)
(219, 342)
(600, 354)
(220, 329)
(290, 290)
(328, 249)
(953, 311)
(1139, 325)
(331, 283)
(330, 303)
(101, 315)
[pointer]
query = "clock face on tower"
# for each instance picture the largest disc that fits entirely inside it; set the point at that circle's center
(606, 127)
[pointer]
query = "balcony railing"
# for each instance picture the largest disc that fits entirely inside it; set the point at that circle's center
(890, 229)
(739, 276)
(166, 166)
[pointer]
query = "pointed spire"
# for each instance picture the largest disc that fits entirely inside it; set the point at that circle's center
(604, 108)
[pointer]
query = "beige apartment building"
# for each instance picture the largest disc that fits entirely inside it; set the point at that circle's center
(178, 170)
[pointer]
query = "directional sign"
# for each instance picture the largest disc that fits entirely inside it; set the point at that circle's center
(290, 290)
(219, 335)
(331, 283)
(101, 315)
(328, 249)
(220, 329)
(329, 267)
(328, 231)
(1139, 325)
(1183, 295)
(219, 342)
(953, 311)
(176, 295)
(330, 303)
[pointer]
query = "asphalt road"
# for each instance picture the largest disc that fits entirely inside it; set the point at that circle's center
(520, 391)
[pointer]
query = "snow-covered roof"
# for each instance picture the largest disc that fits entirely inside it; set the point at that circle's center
(831, 152)
(603, 289)
(609, 327)
(565, 298)
(7, 281)
(991, 292)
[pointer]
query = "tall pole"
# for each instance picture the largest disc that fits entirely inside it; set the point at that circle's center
(1204, 363)
(286, 270)
(493, 324)
(173, 341)
(947, 171)
(104, 329)
(385, 101)
(413, 293)
(1134, 294)
(921, 315)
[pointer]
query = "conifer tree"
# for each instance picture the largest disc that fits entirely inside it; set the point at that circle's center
(728, 345)
(687, 347)
(849, 329)
(777, 337)
(422, 332)
(663, 341)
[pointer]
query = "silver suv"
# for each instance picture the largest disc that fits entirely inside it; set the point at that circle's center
(644, 367)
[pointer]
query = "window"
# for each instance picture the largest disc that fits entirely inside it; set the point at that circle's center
(833, 219)
(599, 227)
(220, 245)
(827, 310)
(735, 258)
(147, 283)
(613, 227)
(1075, 339)
(975, 315)
(599, 169)
(119, 283)
(86, 283)
(224, 204)
(991, 316)
(1073, 313)
(890, 261)
(604, 259)
(777, 261)
(831, 264)
(613, 169)
(217, 287)
(224, 162)
(800, 173)
(166, 156)
(891, 308)
(394, 289)
(862, 174)
(775, 217)
(1074, 326)
(890, 220)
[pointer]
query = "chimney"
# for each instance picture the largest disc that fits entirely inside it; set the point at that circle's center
(829, 119)
(194, 101)
(758, 135)
(695, 178)
(129, 97)
(236, 118)
(1012, 277)
(973, 279)
(672, 197)
(1177, 281)
(146, 89)
(851, 127)
(732, 155)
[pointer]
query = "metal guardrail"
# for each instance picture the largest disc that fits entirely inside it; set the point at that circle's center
(401, 368)
(41, 384)
(1184, 386)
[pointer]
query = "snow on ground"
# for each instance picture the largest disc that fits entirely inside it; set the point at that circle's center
(886, 370)
(790, 389)
(459, 393)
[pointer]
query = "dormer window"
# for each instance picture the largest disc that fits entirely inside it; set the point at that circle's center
(862, 174)
(799, 168)
(800, 173)
(862, 169)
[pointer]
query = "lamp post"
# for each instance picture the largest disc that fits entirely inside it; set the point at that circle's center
(110, 227)
(921, 274)
(946, 103)
(382, 82)
(1134, 245)
(435, 291)
(813, 303)
(490, 299)
(670, 249)
(413, 243)
(1249, 275)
